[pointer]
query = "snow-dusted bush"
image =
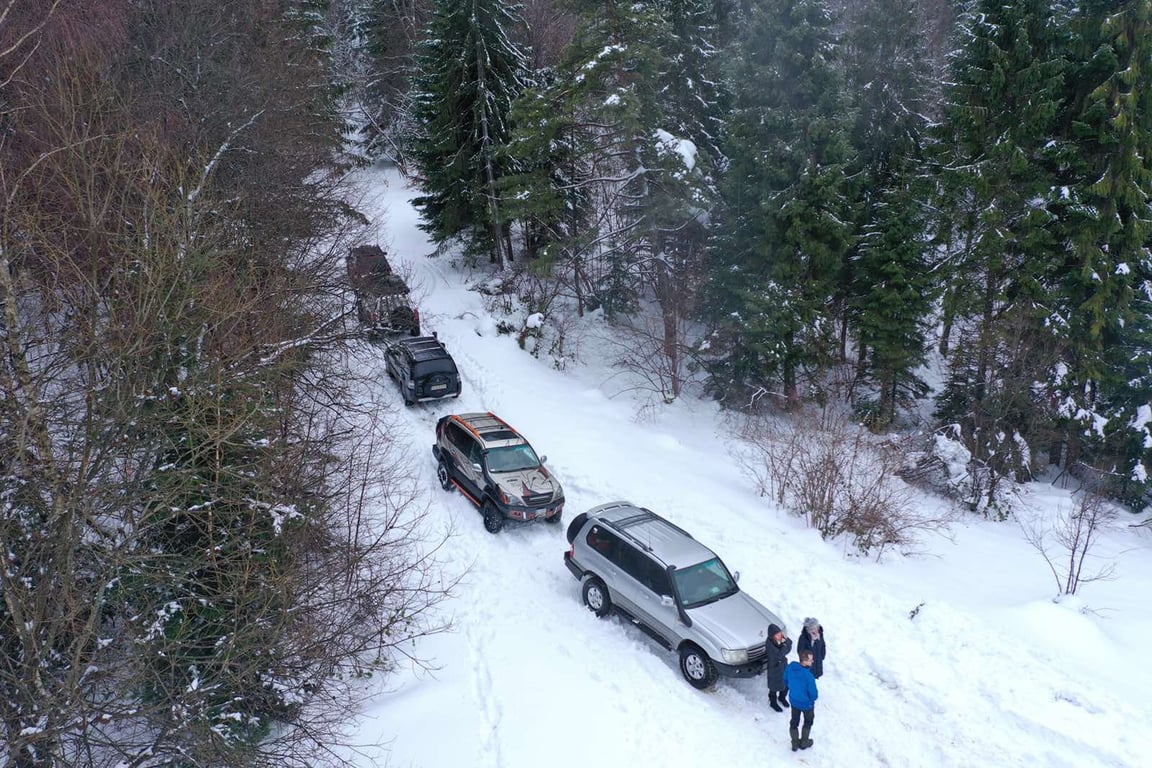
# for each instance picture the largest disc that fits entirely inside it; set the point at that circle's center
(836, 475)
(533, 308)
(655, 351)
(947, 466)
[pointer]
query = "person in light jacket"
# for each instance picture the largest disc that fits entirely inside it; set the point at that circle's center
(802, 685)
(778, 647)
(812, 639)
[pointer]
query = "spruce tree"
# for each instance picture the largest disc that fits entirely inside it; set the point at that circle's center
(694, 97)
(887, 281)
(548, 189)
(471, 72)
(598, 136)
(999, 120)
(382, 51)
(1100, 305)
(894, 296)
(783, 230)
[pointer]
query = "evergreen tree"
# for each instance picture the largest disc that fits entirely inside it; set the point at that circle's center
(886, 280)
(1000, 117)
(694, 98)
(1100, 301)
(894, 296)
(596, 137)
(384, 41)
(783, 230)
(548, 191)
(471, 72)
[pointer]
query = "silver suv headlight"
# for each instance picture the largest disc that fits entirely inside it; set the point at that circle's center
(738, 656)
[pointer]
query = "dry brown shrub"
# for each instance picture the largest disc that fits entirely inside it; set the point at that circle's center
(841, 479)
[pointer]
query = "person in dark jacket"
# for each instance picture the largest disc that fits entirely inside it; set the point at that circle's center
(777, 648)
(812, 639)
(802, 685)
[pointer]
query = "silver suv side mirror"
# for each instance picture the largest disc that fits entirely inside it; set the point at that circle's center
(667, 601)
(543, 459)
(736, 576)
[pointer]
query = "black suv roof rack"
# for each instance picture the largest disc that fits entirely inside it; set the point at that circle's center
(424, 348)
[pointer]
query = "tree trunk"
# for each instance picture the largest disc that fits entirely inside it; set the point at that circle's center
(666, 294)
(495, 226)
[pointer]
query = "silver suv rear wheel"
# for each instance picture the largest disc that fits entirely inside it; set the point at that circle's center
(596, 597)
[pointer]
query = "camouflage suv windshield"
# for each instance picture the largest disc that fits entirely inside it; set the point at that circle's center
(704, 583)
(512, 459)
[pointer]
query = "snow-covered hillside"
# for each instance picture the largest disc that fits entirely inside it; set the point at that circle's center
(990, 672)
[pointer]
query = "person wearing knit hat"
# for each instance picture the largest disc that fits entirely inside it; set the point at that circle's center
(812, 639)
(776, 658)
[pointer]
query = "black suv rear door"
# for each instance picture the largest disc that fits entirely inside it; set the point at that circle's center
(436, 377)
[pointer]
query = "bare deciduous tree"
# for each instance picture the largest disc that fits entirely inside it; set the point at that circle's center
(204, 546)
(654, 351)
(1066, 541)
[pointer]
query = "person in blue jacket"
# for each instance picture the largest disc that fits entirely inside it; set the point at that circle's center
(802, 685)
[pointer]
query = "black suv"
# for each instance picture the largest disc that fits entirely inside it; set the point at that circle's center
(495, 467)
(423, 369)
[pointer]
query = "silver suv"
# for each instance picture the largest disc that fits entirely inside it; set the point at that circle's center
(631, 560)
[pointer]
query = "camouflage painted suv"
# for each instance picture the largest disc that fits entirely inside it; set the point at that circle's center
(496, 469)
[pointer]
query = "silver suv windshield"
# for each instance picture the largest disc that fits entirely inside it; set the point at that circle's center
(704, 583)
(513, 458)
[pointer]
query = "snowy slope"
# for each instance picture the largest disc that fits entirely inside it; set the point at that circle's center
(991, 672)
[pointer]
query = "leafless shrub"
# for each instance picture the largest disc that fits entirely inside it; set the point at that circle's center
(1066, 541)
(837, 476)
(655, 357)
(549, 27)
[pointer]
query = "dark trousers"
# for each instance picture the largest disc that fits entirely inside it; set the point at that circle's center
(809, 716)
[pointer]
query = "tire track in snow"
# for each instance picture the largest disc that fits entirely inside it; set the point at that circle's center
(479, 637)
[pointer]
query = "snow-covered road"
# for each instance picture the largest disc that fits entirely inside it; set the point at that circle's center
(528, 677)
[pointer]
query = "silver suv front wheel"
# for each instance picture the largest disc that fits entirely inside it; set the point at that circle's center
(697, 668)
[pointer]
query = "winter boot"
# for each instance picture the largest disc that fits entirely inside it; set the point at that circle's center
(795, 734)
(805, 742)
(772, 701)
(784, 698)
